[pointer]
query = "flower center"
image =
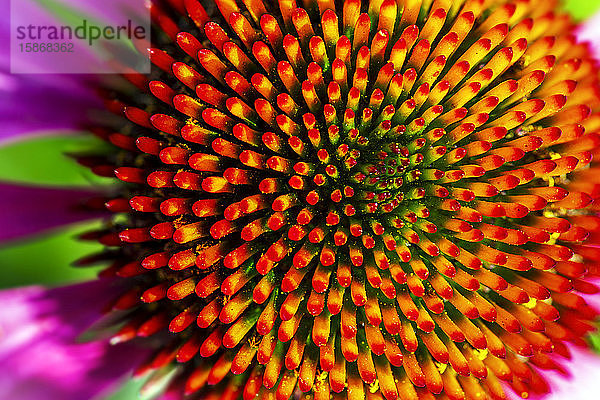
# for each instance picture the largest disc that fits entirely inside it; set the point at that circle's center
(361, 191)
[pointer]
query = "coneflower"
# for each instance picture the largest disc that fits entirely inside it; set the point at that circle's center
(357, 199)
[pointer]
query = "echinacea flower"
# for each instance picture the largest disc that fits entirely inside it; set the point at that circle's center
(355, 199)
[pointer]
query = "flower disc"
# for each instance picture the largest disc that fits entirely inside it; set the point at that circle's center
(357, 199)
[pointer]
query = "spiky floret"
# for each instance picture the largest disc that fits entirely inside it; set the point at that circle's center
(385, 198)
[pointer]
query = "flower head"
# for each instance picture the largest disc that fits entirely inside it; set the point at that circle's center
(372, 198)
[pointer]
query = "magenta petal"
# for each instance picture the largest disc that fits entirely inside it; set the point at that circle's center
(34, 103)
(27, 210)
(589, 31)
(40, 357)
(29, 98)
(583, 383)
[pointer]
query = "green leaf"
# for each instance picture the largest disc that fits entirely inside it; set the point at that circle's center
(129, 390)
(47, 259)
(582, 9)
(594, 338)
(42, 160)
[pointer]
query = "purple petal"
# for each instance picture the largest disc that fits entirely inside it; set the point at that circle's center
(42, 103)
(27, 210)
(589, 31)
(583, 382)
(30, 103)
(38, 103)
(40, 357)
